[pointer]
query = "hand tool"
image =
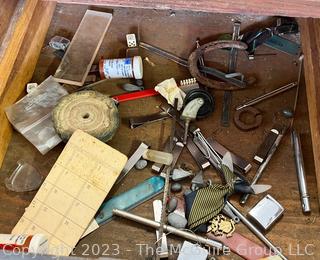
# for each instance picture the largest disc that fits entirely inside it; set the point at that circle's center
(197, 155)
(196, 71)
(227, 97)
(298, 158)
(266, 212)
(241, 165)
(171, 230)
(261, 168)
(157, 209)
(265, 147)
(144, 120)
(126, 200)
(267, 95)
(244, 126)
(255, 231)
(167, 182)
(206, 70)
(258, 37)
(238, 162)
(132, 161)
(209, 152)
(189, 113)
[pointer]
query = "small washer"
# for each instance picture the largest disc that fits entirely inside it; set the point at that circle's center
(255, 113)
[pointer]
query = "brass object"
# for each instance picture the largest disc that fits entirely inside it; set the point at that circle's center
(222, 225)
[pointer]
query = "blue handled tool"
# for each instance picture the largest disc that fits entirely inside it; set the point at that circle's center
(130, 199)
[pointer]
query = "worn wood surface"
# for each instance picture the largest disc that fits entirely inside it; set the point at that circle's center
(295, 8)
(310, 38)
(13, 38)
(83, 48)
(295, 233)
(24, 66)
(6, 12)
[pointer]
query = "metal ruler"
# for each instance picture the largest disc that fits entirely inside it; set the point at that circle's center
(227, 97)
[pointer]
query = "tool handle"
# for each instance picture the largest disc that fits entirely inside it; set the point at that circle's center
(135, 95)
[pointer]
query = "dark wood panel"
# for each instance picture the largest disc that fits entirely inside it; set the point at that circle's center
(295, 8)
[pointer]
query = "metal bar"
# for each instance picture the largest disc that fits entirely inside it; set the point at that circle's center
(171, 230)
(255, 231)
(132, 161)
(298, 158)
(227, 96)
(267, 95)
(167, 181)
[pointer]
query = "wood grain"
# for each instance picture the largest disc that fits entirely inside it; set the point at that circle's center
(295, 8)
(310, 37)
(24, 67)
(6, 12)
(84, 46)
(13, 38)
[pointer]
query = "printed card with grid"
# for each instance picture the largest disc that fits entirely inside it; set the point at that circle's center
(72, 193)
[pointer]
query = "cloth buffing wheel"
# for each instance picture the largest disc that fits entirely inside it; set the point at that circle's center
(209, 103)
(89, 111)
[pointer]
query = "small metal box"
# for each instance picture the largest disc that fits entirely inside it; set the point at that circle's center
(266, 212)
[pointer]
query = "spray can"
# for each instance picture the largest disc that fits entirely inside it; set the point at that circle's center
(121, 68)
(36, 244)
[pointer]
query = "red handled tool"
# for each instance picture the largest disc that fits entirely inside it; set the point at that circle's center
(135, 95)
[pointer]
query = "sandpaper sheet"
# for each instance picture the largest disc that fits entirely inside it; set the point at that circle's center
(72, 193)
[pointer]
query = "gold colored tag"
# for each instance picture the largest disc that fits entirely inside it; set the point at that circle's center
(221, 225)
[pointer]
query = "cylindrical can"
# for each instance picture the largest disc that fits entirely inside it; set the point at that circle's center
(121, 68)
(36, 244)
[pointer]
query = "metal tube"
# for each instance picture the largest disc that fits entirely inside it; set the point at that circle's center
(262, 167)
(255, 231)
(170, 229)
(267, 95)
(298, 158)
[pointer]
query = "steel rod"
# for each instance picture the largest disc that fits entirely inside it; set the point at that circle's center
(171, 230)
(305, 203)
(267, 95)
